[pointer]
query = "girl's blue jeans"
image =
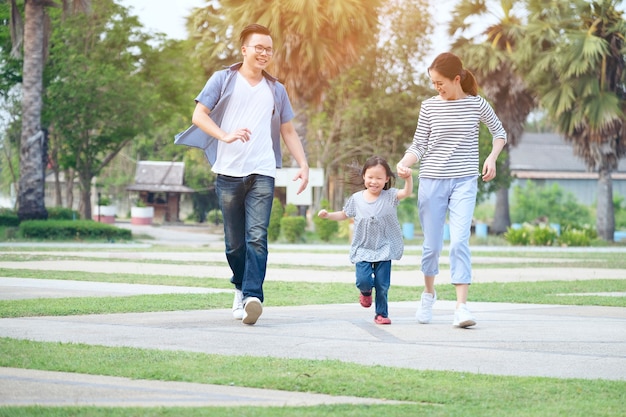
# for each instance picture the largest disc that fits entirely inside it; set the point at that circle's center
(246, 203)
(375, 275)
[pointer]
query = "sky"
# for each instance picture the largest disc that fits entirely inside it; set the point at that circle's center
(168, 16)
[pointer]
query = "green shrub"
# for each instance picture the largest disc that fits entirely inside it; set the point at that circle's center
(291, 210)
(574, 237)
(71, 230)
(543, 236)
(293, 227)
(519, 237)
(552, 203)
(407, 210)
(273, 231)
(325, 228)
(62, 213)
(8, 218)
(619, 208)
(215, 217)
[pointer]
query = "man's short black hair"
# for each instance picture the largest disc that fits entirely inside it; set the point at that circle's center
(252, 29)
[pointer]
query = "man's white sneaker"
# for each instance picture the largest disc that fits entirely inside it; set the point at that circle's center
(463, 318)
(238, 305)
(425, 311)
(252, 309)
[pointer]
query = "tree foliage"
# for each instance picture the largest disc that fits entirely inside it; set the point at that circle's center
(574, 54)
(95, 97)
(372, 108)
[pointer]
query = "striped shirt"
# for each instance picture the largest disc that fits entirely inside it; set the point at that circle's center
(446, 138)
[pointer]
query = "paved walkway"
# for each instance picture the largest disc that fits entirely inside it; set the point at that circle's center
(510, 339)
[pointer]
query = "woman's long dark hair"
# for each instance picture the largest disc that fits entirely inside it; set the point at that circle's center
(450, 65)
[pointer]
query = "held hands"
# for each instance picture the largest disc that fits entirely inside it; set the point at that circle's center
(403, 172)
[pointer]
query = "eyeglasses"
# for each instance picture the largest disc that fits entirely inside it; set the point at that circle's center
(259, 49)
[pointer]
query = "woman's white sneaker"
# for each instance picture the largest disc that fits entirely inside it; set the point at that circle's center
(463, 318)
(425, 311)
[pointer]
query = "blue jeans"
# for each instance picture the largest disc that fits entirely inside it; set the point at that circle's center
(457, 198)
(246, 203)
(375, 275)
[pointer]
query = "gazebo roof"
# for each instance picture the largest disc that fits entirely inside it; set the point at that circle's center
(160, 176)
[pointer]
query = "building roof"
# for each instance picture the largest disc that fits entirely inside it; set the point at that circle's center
(548, 155)
(160, 176)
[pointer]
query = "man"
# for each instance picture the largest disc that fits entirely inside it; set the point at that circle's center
(244, 111)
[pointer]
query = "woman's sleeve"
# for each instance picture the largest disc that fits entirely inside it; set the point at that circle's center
(490, 119)
(422, 134)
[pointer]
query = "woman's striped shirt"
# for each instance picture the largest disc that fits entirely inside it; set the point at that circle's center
(446, 138)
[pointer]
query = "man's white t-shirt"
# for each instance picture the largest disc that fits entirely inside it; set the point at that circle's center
(251, 107)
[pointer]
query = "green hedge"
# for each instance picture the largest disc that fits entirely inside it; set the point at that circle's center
(325, 229)
(71, 230)
(8, 218)
(292, 228)
(62, 213)
(543, 235)
(273, 231)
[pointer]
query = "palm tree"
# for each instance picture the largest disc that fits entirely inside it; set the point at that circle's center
(33, 157)
(315, 40)
(492, 62)
(579, 75)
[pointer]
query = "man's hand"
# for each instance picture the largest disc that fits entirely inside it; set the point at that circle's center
(302, 174)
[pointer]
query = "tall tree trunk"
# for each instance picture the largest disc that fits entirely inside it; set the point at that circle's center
(502, 217)
(605, 217)
(32, 143)
(85, 195)
(69, 188)
(58, 196)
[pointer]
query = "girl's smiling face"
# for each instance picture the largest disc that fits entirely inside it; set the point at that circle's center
(375, 179)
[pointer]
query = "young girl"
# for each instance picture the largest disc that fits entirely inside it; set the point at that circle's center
(377, 234)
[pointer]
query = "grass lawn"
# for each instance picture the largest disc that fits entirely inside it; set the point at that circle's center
(430, 393)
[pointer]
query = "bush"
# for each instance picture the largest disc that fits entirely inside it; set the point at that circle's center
(619, 207)
(291, 210)
(519, 237)
(71, 230)
(574, 237)
(273, 231)
(543, 236)
(292, 228)
(553, 203)
(407, 210)
(215, 216)
(8, 218)
(325, 228)
(62, 213)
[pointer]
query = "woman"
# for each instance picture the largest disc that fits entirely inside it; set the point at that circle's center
(446, 144)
